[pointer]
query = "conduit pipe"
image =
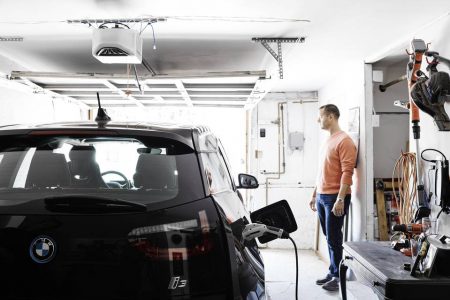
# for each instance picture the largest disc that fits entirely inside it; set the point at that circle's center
(280, 123)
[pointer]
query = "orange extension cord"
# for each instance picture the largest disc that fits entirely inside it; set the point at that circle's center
(406, 173)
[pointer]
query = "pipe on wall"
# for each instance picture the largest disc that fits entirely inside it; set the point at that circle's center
(281, 154)
(281, 144)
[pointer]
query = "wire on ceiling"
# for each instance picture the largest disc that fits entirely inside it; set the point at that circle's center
(153, 32)
(236, 19)
(165, 18)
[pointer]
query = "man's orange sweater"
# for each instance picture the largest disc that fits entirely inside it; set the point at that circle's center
(336, 163)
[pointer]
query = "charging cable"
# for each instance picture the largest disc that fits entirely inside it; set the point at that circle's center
(255, 230)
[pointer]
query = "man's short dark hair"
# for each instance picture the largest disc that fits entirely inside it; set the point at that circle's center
(331, 109)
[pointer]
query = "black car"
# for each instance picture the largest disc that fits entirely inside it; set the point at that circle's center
(123, 211)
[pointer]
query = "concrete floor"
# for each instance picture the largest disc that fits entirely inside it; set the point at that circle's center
(280, 277)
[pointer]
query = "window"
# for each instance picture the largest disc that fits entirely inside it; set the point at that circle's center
(129, 168)
(216, 172)
(226, 162)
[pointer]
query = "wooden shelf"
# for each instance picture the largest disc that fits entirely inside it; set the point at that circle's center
(383, 185)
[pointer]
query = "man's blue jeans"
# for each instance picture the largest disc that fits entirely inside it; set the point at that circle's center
(332, 228)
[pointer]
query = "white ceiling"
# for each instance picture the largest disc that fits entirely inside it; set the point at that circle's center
(206, 35)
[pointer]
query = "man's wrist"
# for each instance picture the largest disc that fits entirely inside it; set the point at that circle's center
(341, 199)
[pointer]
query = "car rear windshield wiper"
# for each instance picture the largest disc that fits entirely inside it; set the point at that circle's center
(90, 204)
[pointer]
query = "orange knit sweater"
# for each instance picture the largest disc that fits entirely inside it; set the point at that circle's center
(336, 163)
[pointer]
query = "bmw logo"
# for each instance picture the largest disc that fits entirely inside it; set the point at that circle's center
(42, 249)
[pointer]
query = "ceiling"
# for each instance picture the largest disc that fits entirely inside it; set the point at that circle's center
(215, 36)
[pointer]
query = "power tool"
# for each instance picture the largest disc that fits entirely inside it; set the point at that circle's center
(409, 228)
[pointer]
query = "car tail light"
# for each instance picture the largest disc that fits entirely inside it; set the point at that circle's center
(174, 241)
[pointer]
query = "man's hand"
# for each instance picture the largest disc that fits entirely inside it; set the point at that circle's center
(312, 203)
(338, 208)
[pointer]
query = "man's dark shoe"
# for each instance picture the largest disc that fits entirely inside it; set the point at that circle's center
(324, 280)
(332, 285)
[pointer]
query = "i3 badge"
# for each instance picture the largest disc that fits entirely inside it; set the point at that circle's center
(42, 249)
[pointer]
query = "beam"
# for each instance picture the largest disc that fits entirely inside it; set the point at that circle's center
(157, 98)
(183, 92)
(52, 93)
(149, 68)
(218, 103)
(76, 87)
(122, 93)
(92, 93)
(113, 76)
(262, 87)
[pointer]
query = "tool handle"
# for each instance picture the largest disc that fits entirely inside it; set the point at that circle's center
(383, 87)
(417, 62)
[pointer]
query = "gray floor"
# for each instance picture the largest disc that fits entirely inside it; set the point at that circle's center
(280, 277)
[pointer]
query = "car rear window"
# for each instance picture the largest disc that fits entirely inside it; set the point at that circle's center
(141, 169)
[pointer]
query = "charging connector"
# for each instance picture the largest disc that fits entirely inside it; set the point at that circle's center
(256, 230)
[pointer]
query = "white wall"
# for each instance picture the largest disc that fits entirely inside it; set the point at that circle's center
(21, 106)
(228, 124)
(392, 135)
(348, 92)
(296, 184)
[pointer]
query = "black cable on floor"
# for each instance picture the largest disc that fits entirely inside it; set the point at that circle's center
(296, 268)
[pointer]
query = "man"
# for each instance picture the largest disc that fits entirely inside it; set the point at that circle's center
(331, 197)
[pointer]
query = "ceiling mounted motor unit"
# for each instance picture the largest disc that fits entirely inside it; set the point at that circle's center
(117, 45)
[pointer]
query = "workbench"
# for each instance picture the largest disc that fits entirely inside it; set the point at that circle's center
(377, 265)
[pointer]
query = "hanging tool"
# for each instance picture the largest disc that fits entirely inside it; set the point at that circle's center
(419, 48)
(441, 180)
(430, 93)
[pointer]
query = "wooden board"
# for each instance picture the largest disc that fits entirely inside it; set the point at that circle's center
(388, 185)
(381, 212)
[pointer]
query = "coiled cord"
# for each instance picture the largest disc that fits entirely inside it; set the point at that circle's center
(405, 171)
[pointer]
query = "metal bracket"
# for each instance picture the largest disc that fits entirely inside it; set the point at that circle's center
(120, 20)
(402, 103)
(279, 55)
(11, 39)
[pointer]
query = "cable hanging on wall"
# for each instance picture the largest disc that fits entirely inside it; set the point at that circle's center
(406, 174)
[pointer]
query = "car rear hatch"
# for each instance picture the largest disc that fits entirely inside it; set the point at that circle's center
(170, 253)
(68, 231)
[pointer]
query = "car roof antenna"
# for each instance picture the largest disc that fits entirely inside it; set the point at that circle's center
(102, 118)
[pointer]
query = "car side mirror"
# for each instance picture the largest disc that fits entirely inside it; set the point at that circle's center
(278, 214)
(247, 182)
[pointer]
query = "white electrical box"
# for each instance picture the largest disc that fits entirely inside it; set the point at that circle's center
(375, 120)
(296, 140)
(377, 76)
